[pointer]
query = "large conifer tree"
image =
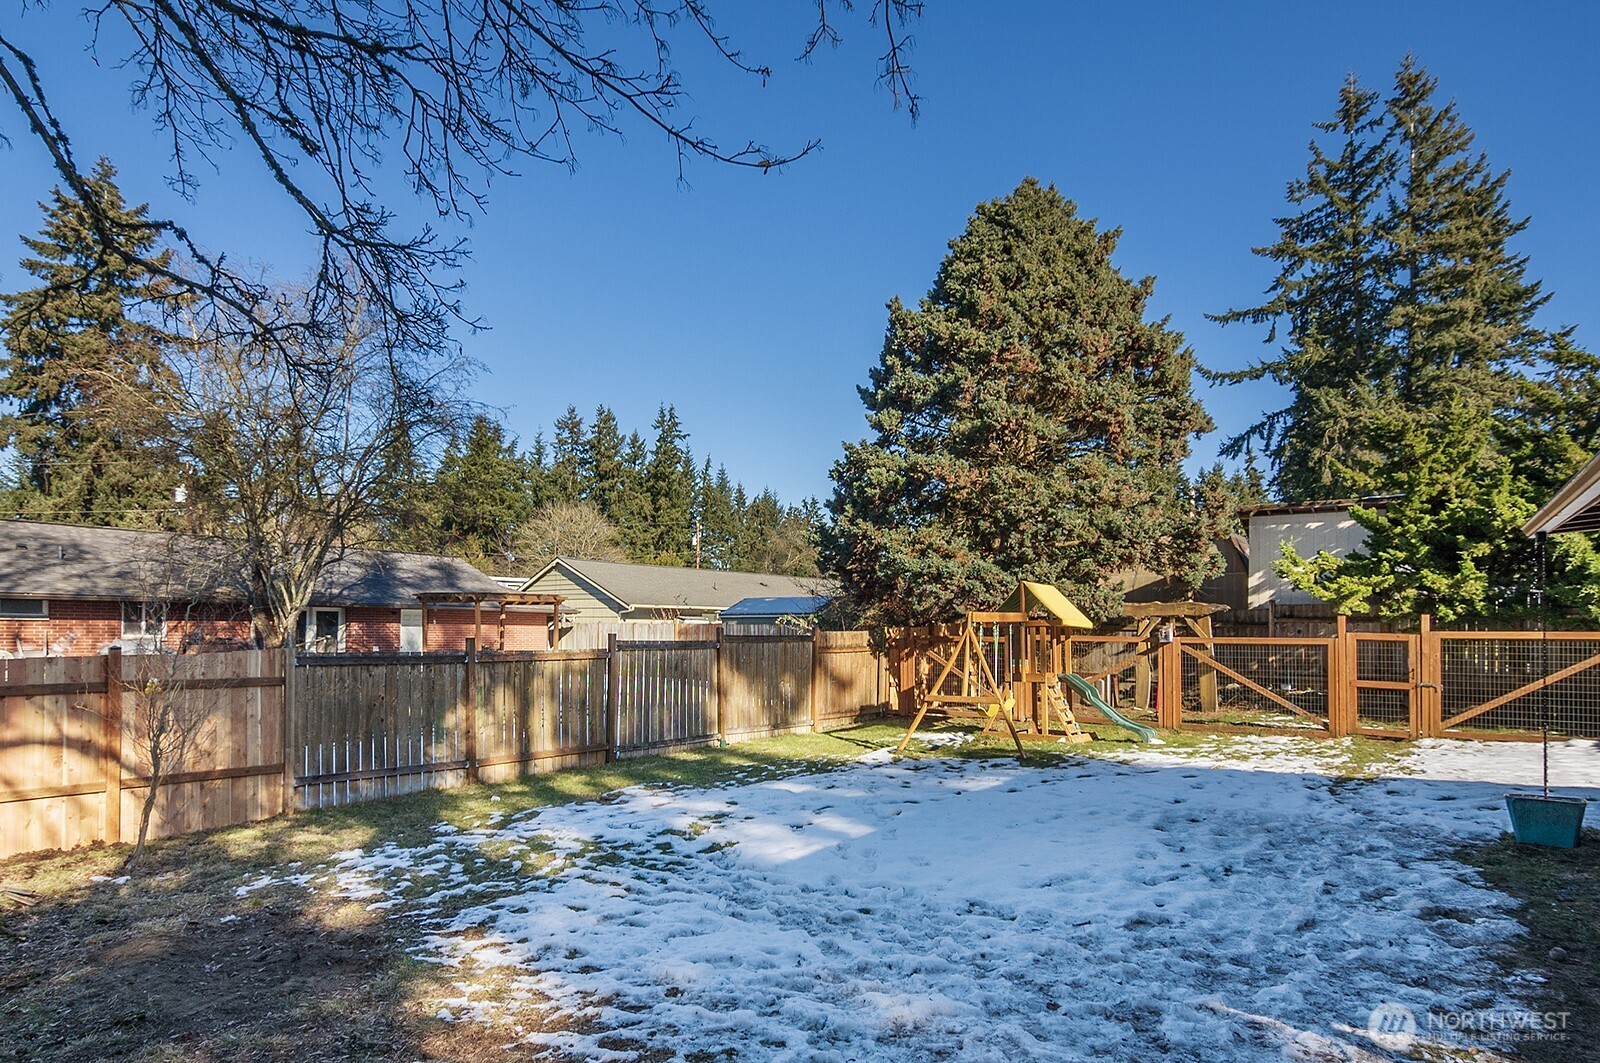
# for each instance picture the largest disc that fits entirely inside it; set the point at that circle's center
(1333, 299)
(1454, 397)
(1028, 421)
(87, 332)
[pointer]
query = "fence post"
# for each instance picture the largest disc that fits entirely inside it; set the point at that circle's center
(613, 697)
(1169, 713)
(721, 683)
(111, 745)
(1430, 703)
(1338, 689)
(289, 729)
(469, 710)
(816, 675)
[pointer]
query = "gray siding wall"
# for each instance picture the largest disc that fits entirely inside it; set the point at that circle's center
(579, 598)
(1336, 532)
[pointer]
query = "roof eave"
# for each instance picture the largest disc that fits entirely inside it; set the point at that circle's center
(1572, 503)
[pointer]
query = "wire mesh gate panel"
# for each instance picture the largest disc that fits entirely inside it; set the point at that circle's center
(1123, 668)
(1385, 684)
(1504, 683)
(1256, 684)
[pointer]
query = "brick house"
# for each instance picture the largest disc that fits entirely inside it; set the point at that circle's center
(68, 590)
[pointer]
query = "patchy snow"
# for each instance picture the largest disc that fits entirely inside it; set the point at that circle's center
(1237, 903)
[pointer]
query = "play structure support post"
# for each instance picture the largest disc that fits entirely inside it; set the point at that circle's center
(1201, 626)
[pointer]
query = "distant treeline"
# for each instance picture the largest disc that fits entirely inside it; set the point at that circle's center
(592, 491)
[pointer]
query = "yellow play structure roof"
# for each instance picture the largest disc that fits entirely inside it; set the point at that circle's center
(1029, 596)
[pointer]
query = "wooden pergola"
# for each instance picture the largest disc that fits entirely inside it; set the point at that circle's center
(501, 600)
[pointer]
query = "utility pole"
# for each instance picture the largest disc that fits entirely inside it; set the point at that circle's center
(697, 542)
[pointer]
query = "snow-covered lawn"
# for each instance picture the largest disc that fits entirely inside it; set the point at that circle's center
(1239, 902)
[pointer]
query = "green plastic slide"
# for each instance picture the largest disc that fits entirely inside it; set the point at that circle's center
(1088, 693)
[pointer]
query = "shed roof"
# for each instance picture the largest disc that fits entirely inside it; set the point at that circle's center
(666, 587)
(1576, 507)
(1331, 505)
(803, 605)
(40, 560)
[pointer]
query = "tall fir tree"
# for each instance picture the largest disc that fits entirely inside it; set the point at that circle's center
(669, 491)
(1333, 297)
(484, 493)
(567, 457)
(89, 330)
(719, 519)
(1477, 413)
(1028, 423)
(604, 474)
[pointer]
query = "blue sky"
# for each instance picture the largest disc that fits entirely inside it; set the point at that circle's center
(755, 303)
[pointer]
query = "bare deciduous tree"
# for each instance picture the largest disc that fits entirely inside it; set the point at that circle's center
(167, 720)
(569, 529)
(291, 448)
(324, 92)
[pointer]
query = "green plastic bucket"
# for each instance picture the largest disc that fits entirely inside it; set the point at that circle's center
(1552, 821)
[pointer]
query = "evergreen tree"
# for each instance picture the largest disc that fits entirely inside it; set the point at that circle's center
(484, 494)
(1464, 310)
(668, 492)
(778, 538)
(567, 457)
(604, 474)
(1398, 294)
(1334, 297)
(1462, 405)
(1449, 544)
(720, 520)
(84, 335)
(631, 510)
(1028, 422)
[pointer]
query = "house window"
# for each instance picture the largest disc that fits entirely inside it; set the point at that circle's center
(321, 631)
(411, 631)
(143, 620)
(24, 609)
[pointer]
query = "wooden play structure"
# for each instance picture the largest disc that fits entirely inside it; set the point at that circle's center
(1006, 667)
(1156, 623)
(1013, 666)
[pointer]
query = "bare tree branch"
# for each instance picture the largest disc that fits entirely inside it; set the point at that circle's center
(325, 93)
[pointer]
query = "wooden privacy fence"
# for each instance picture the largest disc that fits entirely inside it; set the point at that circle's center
(74, 762)
(335, 729)
(1428, 684)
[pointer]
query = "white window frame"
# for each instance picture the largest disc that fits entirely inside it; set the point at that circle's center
(144, 629)
(420, 626)
(311, 629)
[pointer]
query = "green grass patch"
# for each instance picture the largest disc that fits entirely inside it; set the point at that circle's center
(1558, 891)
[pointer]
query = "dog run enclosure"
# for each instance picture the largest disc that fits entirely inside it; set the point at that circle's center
(1427, 684)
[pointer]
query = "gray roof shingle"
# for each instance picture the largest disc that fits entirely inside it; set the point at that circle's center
(664, 587)
(39, 560)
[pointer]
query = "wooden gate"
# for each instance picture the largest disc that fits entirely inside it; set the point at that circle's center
(1260, 686)
(1384, 684)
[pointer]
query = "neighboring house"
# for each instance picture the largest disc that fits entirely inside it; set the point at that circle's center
(1574, 508)
(1229, 587)
(1310, 527)
(73, 590)
(801, 611)
(614, 591)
